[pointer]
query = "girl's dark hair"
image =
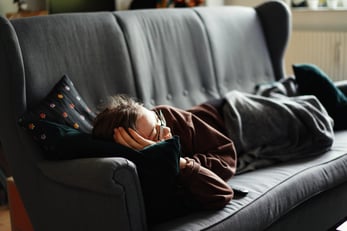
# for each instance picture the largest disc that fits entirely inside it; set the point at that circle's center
(119, 111)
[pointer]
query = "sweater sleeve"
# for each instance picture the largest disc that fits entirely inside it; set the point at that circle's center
(201, 138)
(223, 166)
(210, 155)
(208, 189)
(214, 150)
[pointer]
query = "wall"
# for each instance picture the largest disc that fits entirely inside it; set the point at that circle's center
(123, 4)
(319, 37)
(36, 4)
(243, 2)
(7, 6)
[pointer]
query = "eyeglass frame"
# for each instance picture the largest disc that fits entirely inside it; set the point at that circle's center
(162, 122)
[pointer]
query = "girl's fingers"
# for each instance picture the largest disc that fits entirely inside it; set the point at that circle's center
(131, 139)
(115, 135)
(122, 137)
(119, 139)
(140, 139)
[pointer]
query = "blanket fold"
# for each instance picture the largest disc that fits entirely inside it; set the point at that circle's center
(276, 128)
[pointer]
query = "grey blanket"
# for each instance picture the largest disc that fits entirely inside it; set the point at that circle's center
(276, 128)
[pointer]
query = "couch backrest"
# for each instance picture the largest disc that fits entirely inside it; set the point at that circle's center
(179, 57)
(171, 56)
(89, 48)
(187, 56)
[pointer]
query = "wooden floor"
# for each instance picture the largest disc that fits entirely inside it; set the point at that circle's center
(5, 224)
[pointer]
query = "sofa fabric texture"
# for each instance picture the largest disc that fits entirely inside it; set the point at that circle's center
(179, 57)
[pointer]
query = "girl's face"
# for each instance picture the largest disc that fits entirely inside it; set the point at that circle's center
(151, 125)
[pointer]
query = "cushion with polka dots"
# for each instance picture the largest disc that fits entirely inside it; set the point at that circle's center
(62, 105)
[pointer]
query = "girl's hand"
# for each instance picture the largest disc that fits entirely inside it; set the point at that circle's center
(183, 163)
(131, 138)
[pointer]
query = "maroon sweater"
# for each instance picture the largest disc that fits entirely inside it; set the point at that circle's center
(210, 154)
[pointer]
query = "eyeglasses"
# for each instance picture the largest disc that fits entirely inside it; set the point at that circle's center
(162, 123)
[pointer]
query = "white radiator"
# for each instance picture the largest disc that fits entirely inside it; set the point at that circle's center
(327, 50)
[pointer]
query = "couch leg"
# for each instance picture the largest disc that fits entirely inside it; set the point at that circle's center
(18, 215)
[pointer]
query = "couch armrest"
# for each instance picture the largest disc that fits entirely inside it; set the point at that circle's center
(104, 177)
(342, 85)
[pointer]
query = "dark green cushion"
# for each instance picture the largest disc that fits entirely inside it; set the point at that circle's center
(312, 80)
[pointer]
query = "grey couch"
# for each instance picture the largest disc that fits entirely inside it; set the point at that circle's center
(179, 57)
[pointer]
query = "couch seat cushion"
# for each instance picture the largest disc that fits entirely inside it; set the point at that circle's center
(272, 188)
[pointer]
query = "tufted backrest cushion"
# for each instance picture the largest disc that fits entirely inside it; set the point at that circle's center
(179, 57)
(89, 48)
(238, 46)
(171, 56)
(183, 57)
